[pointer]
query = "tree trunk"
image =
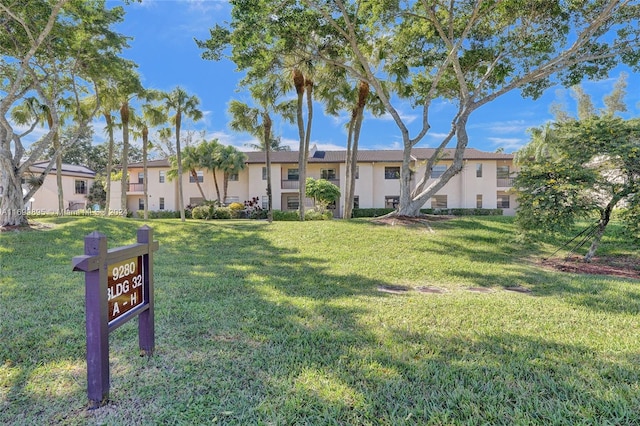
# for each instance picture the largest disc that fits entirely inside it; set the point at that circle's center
(605, 216)
(307, 139)
(352, 158)
(124, 182)
(179, 159)
(410, 205)
(225, 185)
(347, 209)
(58, 154)
(298, 82)
(109, 122)
(266, 120)
(215, 182)
(145, 177)
(12, 209)
(194, 174)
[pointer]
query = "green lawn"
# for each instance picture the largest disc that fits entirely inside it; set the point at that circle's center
(284, 324)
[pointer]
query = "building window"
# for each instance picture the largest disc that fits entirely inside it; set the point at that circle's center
(356, 201)
(162, 176)
(391, 201)
(293, 203)
(195, 201)
(439, 202)
(479, 170)
(264, 173)
(392, 172)
(140, 203)
(140, 177)
(438, 170)
(265, 201)
(502, 172)
(200, 175)
(479, 201)
(161, 203)
(81, 186)
(230, 200)
(328, 174)
(233, 177)
(503, 200)
(292, 174)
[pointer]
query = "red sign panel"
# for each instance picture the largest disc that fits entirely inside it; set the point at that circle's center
(124, 287)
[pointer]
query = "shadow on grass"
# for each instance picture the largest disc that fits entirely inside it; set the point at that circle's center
(250, 330)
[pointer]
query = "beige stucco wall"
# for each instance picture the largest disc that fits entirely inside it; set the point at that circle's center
(371, 185)
(45, 200)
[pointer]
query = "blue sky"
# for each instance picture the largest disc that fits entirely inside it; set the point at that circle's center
(163, 47)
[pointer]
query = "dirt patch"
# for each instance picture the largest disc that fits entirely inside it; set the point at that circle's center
(616, 266)
(393, 289)
(422, 220)
(32, 226)
(433, 290)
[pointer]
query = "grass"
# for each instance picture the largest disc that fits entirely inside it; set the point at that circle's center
(284, 324)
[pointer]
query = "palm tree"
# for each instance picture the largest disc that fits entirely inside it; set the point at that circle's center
(257, 122)
(208, 153)
(181, 103)
(231, 162)
(152, 116)
(191, 162)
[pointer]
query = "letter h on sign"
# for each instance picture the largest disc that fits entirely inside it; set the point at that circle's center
(128, 272)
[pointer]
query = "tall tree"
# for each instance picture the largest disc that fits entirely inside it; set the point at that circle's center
(153, 115)
(179, 103)
(50, 50)
(468, 52)
(231, 162)
(209, 159)
(258, 122)
(263, 51)
(580, 168)
(128, 89)
(191, 162)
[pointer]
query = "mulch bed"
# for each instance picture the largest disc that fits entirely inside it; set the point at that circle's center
(617, 266)
(410, 220)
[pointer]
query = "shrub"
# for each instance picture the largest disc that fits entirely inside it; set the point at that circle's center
(463, 212)
(374, 212)
(236, 210)
(202, 212)
(164, 214)
(290, 215)
(257, 214)
(316, 215)
(221, 213)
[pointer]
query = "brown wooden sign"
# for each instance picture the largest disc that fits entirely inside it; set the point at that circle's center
(118, 287)
(125, 289)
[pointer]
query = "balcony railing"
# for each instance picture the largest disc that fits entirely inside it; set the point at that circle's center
(505, 182)
(295, 184)
(289, 184)
(136, 187)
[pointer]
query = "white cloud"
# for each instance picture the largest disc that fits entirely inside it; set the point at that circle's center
(503, 127)
(406, 117)
(509, 144)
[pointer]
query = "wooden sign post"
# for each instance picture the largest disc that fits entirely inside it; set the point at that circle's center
(118, 287)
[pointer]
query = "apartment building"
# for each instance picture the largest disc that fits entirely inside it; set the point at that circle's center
(76, 182)
(484, 182)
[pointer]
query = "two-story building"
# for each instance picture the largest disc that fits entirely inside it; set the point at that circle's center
(484, 182)
(76, 182)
